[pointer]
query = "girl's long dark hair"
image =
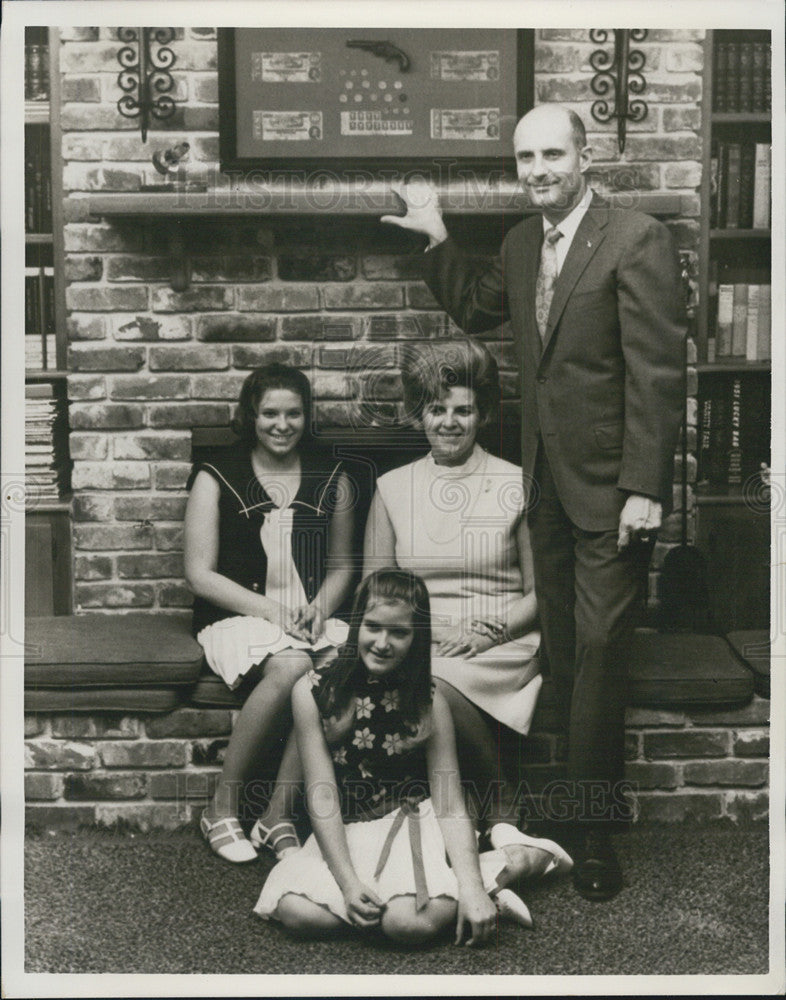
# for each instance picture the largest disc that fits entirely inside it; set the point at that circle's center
(413, 676)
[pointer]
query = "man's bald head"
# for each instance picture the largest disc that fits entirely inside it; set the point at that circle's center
(557, 115)
(552, 158)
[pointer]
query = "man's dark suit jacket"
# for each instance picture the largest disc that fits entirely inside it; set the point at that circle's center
(606, 389)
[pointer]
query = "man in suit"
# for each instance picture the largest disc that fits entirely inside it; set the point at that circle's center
(594, 300)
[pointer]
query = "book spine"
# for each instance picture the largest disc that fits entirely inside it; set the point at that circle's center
(755, 430)
(732, 220)
(45, 165)
(49, 300)
(31, 301)
(747, 181)
(36, 72)
(30, 201)
(719, 437)
(712, 298)
(739, 320)
(714, 184)
(725, 319)
(28, 64)
(764, 338)
(745, 92)
(720, 78)
(703, 475)
(752, 323)
(757, 77)
(762, 168)
(734, 460)
(723, 182)
(733, 77)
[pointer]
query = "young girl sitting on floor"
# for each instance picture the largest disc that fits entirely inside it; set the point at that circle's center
(383, 793)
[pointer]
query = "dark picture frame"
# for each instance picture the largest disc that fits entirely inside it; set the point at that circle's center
(236, 111)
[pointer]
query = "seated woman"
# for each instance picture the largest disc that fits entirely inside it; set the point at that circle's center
(267, 555)
(456, 518)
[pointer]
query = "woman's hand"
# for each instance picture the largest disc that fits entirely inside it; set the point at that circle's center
(473, 637)
(305, 623)
(364, 907)
(476, 908)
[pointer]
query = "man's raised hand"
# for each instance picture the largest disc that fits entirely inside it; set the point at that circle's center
(423, 214)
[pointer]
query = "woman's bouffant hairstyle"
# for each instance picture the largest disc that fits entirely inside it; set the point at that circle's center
(413, 676)
(272, 376)
(430, 370)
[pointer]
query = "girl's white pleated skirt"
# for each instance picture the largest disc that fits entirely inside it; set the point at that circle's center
(305, 873)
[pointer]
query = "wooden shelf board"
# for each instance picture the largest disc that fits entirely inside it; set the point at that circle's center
(46, 375)
(39, 238)
(50, 506)
(741, 117)
(36, 112)
(720, 499)
(339, 198)
(740, 234)
(721, 367)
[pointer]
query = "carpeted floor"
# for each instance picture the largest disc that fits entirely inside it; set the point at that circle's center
(696, 901)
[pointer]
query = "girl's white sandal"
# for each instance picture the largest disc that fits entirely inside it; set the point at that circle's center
(506, 835)
(261, 836)
(226, 838)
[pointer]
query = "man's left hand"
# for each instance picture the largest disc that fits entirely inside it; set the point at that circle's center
(640, 518)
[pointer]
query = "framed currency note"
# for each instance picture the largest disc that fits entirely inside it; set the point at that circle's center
(348, 98)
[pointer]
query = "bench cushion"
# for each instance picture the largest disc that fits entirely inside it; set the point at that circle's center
(668, 670)
(144, 650)
(753, 648)
(111, 699)
(211, 692)
(680, 669)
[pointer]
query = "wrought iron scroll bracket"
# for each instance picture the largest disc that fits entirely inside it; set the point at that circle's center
(145, 77)
(617, 77)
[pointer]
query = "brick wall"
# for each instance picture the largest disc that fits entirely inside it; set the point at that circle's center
(158, 771)
(325, 293)
(337, 296)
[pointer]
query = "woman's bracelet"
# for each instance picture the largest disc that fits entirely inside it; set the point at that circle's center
(499, 630)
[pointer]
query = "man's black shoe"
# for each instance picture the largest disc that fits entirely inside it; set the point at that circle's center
(596, 871)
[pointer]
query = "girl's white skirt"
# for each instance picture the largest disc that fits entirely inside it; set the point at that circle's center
(234, 645)
(305, 872)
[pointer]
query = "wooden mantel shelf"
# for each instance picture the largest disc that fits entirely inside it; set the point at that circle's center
(292, 197)
(361, 197)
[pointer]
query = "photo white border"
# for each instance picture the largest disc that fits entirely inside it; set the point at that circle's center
(321, 13)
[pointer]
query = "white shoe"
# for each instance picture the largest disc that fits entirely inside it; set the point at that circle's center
(506, 835)
(512, 907)
(227, 839)
(262, 836)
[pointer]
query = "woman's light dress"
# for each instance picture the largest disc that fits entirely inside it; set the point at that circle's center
(455, 526)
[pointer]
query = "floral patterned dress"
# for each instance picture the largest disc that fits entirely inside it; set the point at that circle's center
(393, 834)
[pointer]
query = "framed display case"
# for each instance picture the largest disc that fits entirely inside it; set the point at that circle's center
(370, 98)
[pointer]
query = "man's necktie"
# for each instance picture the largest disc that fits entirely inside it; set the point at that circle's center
(547, 275)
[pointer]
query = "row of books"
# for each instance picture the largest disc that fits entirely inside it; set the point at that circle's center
(46, 471)
(38, 180)
(36, 72)
(734, 432)
(741, 77)
(742, 325)
(40, 350)
(740, 185)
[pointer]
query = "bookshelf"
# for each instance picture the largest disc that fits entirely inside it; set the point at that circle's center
(47, 462)
(734, 328)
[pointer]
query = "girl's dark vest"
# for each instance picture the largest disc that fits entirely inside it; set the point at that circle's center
(242, 506)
